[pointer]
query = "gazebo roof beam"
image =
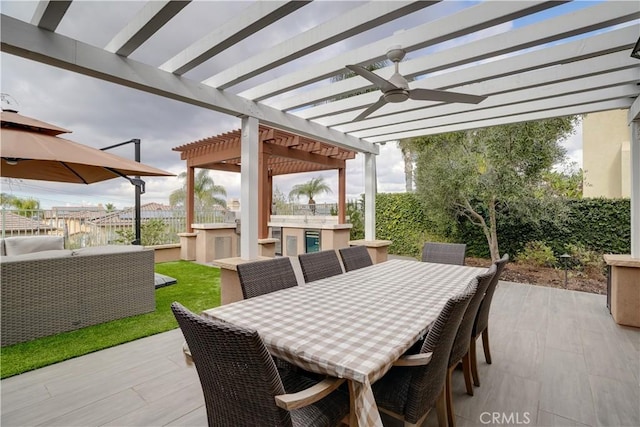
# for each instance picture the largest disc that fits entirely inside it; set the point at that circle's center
(28, 41)
(147, 21)
(355, 21)
(249, 21)
(484, 15)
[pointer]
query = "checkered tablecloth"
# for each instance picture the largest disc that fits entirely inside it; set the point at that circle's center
(354, 325)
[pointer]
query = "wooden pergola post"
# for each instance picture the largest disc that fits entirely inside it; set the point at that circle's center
(342, 195)
(190, 198)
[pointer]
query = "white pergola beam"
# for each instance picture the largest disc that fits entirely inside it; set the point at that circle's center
(49, 13)
(539, 115)
(354, 22)
(467, 21)
(634, 111)
(370, 190)
(147, 21)
(28, 41)
(618, 84)
(510, 42)
(258, 15)
(562, 75)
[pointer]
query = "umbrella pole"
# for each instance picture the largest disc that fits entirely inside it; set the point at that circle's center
(138, 184)
(138, 189)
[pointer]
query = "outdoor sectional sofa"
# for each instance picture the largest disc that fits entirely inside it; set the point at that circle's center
(46, 289)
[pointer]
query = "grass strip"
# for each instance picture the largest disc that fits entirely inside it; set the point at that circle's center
(198, 288)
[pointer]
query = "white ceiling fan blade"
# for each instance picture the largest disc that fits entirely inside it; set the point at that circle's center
(383, 84)
(373, 107)
(444, 96)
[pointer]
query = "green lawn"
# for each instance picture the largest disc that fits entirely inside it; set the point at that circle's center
(198, 288)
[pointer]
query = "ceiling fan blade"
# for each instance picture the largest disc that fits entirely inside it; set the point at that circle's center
(383, 84)
(445, 96)
(373, 107)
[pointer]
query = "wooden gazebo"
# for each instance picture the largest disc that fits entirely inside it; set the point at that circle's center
(280, 152)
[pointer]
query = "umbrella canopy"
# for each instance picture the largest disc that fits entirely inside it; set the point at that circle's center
(30, 149)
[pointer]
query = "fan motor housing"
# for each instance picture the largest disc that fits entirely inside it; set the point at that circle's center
(396, 95)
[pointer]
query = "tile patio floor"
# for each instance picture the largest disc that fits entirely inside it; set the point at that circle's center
(558, 360)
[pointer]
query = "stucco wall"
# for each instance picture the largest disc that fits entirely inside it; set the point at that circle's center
(605, 148)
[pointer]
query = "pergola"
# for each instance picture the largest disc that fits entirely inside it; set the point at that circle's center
(533, 59)
(279, 153)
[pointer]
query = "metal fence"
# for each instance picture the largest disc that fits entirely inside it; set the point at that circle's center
(82, 227)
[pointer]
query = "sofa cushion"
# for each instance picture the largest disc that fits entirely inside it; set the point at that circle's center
(28, 244)
(57, 253)
(2, 251)
(107, 249)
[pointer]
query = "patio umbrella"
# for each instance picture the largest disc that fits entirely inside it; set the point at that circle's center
(31, 149)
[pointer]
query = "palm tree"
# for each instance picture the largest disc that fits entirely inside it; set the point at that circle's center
(205, 191)
(310, 189)
(407, 147)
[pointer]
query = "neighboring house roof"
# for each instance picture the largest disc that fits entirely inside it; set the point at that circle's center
(147, 211)
(75, 212)
(11, 221)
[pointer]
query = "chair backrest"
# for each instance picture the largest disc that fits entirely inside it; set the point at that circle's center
(263, 277)
(355, 257)
(238, 376)
(463, 336)
(318, 265)
(444, 253)
(482, 319)
(427, 381)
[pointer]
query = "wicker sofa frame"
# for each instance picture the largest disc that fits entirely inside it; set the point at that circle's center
(47, 296)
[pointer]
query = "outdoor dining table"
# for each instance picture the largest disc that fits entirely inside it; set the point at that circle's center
(354, 325)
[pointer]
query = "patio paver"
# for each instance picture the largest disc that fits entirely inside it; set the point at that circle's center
(558, 359)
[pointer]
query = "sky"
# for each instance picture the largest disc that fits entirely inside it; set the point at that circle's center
(102, 114)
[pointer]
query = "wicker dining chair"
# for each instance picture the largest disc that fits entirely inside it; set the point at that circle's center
(318, 265)
(460, 348)
(416, 382)
(481, 324)
(355, 257)
(242, 386)
(444, 253)
(263, 277)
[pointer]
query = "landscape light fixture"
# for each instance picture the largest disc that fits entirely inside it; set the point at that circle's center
(635, 52)
(565, 257)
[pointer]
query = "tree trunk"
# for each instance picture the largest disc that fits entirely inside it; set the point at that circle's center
(407, 156)
(492, 236)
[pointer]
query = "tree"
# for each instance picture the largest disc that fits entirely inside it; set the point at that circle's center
(109, 207)
(486, 173)
(310, 188)
(25, 206)
(408, 156)
(565, 183)
(205, 192)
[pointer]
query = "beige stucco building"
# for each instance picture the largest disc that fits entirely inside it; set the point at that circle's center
(606, 154)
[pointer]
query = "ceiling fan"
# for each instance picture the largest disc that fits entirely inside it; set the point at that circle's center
(396, 89)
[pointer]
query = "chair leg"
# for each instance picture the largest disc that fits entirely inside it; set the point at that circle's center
(451, 418)
(485, 345)
(466, 370)
(474, 362)
(441, 409)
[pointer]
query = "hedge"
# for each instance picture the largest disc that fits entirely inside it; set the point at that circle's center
(602, 225)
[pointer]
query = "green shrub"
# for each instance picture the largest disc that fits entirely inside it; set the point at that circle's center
(537, 254)
(584, 260)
